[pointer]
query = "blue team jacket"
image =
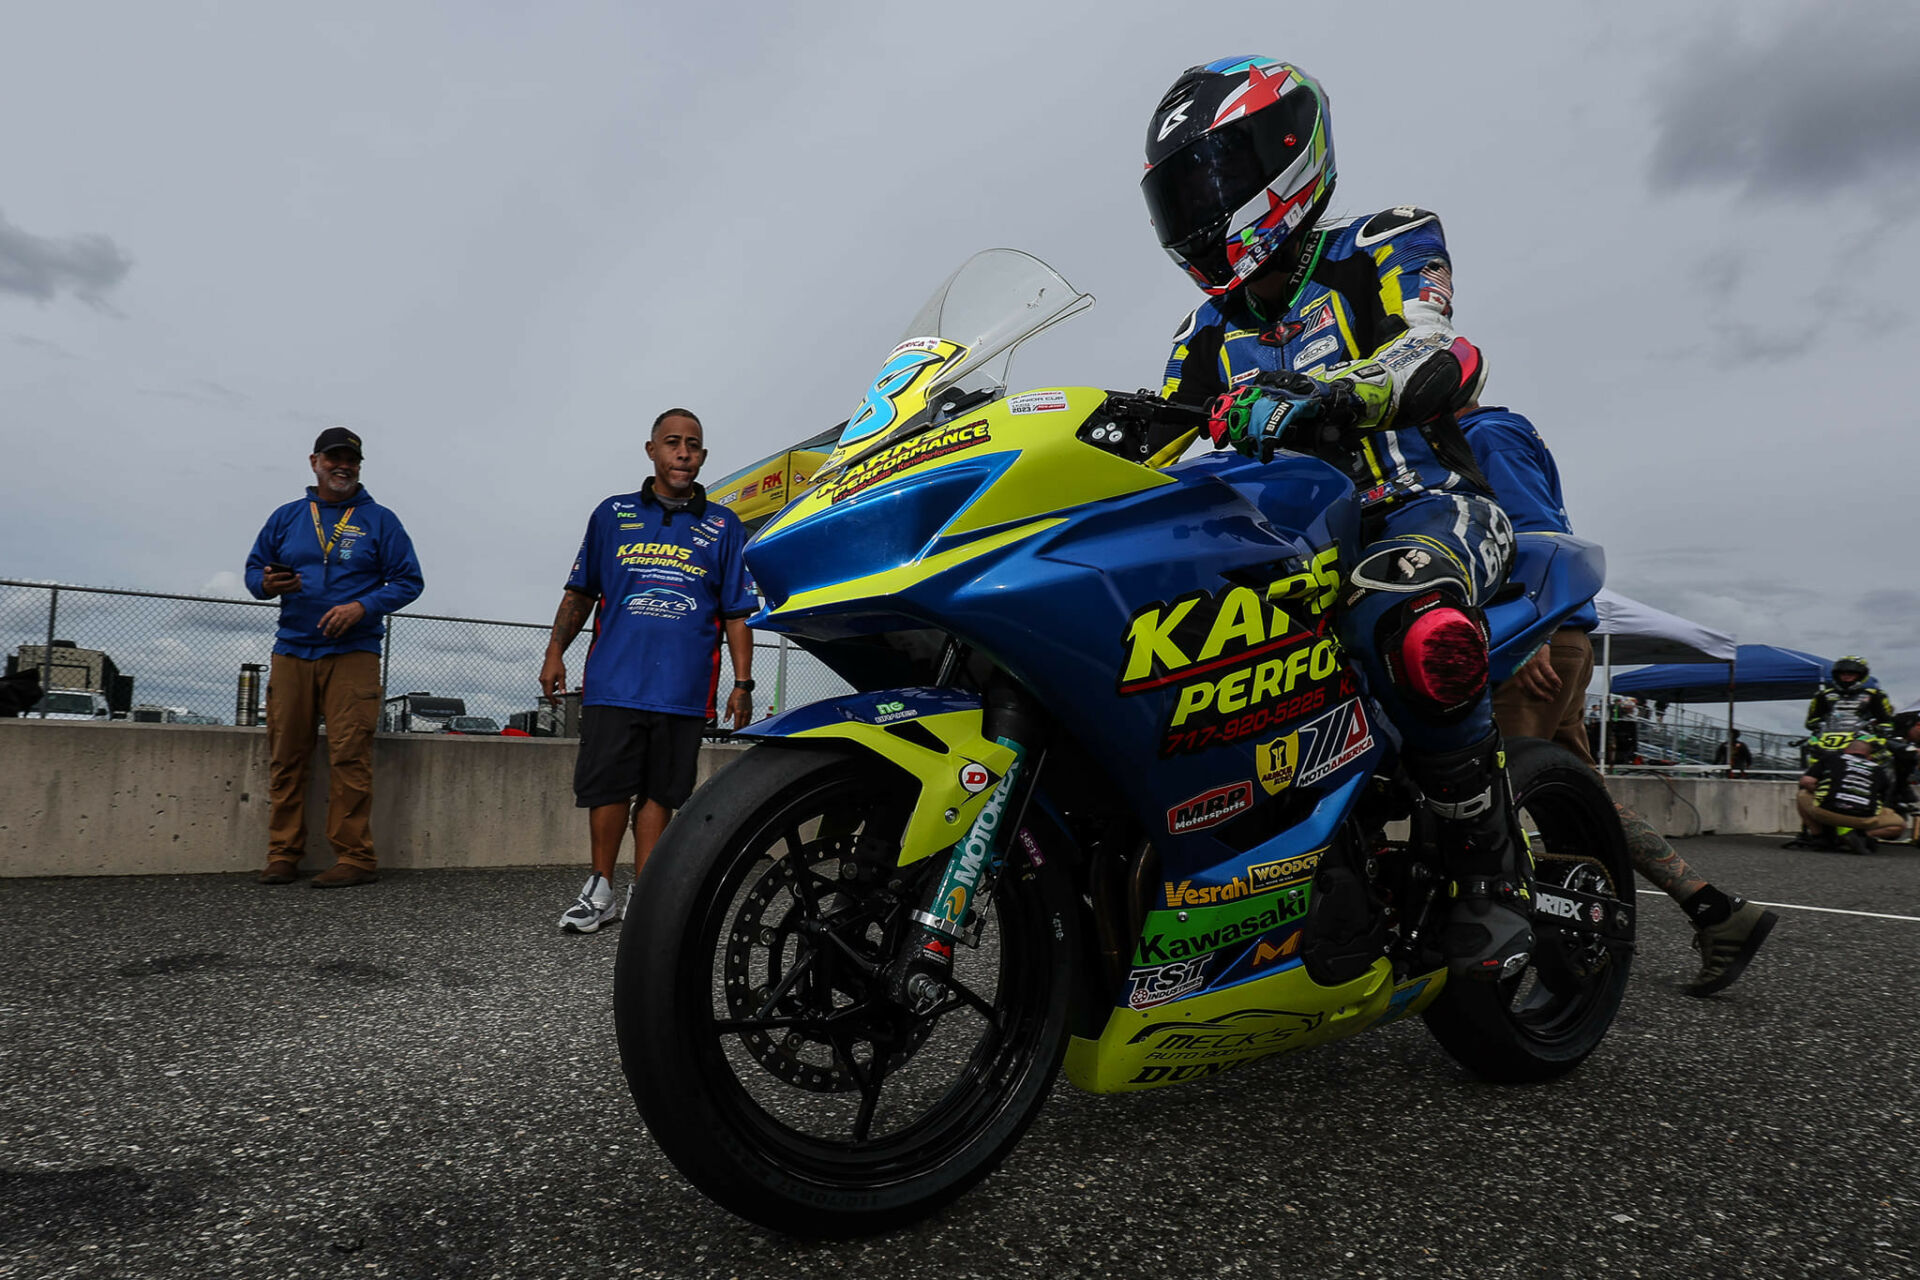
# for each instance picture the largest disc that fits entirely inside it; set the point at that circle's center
(371, 562)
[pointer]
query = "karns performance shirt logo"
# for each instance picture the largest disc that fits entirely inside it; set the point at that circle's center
(890, 462)
(1209, 809)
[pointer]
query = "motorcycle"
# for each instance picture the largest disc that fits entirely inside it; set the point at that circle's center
(1109, 799)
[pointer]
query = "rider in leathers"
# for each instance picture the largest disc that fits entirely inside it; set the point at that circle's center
(1336, 338)
(1846, 705)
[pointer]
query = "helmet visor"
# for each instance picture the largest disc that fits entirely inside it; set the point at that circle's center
(1193, 192)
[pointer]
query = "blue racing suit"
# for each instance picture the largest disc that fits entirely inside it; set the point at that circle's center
(1372, 304)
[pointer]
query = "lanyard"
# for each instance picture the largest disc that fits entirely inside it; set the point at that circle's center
(326, 543)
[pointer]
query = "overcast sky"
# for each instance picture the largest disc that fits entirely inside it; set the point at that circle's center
(496, 239)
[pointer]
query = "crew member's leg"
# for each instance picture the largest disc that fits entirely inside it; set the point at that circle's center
(1729, 929)
(606, 775)
(292, 713)
(349, 689)
(673, 760)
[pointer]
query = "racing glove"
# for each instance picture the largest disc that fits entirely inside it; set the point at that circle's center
(1285, 411)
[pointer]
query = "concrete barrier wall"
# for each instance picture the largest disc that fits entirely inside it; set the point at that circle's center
(82, 798)
(89, 798)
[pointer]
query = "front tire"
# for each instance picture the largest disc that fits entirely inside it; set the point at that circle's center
(753, 1024)
(1545, 1020)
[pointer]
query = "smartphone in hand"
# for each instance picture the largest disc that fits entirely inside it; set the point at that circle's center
(274, 566)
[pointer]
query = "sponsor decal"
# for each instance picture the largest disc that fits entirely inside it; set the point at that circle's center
(633, 524)
(1161, 983)
(970, 856)
(911, 453)
(1266, 953)
(1236, 658)
(1318, 319)
(770, 481)
(1264, 878)
(1210, 808)
(973, 776)
(660, 602)
(1209, 929)
(1318, 348)
(1247, 1033)
(1271, 875)
(1173, 1075)
(1038, 402)
(748, 490)
(623, 506)
(1275, 763)
(1331, 742)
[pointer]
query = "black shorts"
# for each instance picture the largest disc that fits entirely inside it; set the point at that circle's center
(624, 753)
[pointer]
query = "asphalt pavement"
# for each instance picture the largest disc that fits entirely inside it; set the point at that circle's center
(200, 1076)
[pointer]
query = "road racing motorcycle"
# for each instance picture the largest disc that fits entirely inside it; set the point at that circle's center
(1109, 799)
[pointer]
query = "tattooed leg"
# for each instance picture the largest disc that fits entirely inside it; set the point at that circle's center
(1655, 859)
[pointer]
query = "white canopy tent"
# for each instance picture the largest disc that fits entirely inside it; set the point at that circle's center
(1633, 634)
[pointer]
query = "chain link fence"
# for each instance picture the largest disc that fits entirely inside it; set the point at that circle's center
(147, 655)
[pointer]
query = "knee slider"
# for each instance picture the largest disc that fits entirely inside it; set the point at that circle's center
(1436, 653)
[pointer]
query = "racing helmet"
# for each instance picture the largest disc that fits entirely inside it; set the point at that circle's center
(1239, 161)
(1855, 667)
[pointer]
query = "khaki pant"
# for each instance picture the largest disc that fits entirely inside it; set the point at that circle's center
(1882, 826)
(344, 690)
(1560, 718)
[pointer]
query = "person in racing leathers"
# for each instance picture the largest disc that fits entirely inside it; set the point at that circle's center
(1335, 337)
(1848, 789)
(1845, 704)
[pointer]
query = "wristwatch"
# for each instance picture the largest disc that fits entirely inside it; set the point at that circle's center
(744, 684)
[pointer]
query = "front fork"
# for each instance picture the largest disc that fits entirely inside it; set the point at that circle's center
(917, 977)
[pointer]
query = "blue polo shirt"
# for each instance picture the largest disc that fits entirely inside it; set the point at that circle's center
(1526, 483)
(665, 581)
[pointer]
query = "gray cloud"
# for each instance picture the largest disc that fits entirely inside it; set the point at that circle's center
(1829, 99)
(52, 350)
(43, 267)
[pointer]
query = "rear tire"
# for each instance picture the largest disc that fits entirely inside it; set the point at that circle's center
(753, 1025)
(1544, 1021)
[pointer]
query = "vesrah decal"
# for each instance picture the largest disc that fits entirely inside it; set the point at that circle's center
(1263, 877)
(1237, 663)
(891, 462)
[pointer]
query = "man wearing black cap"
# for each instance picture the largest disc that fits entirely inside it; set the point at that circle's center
(339, 561)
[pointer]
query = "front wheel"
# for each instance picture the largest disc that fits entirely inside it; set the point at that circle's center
(1545, 1020)
(753, 1019)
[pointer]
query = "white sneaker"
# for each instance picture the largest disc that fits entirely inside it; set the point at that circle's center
(594, 908)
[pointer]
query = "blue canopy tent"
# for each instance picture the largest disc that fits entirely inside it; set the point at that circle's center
(1761, 673)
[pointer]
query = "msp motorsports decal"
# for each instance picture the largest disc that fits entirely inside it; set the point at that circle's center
(1210, 808)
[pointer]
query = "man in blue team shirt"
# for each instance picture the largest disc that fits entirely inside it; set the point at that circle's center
(664, 568)
(1547, 695)
(339, 561)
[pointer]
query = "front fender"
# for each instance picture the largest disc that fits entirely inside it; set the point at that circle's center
(933, 735)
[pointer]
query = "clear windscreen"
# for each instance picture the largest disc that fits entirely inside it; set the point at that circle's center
(963, 339)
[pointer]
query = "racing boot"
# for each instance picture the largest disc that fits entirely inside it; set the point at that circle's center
(1487, 935)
